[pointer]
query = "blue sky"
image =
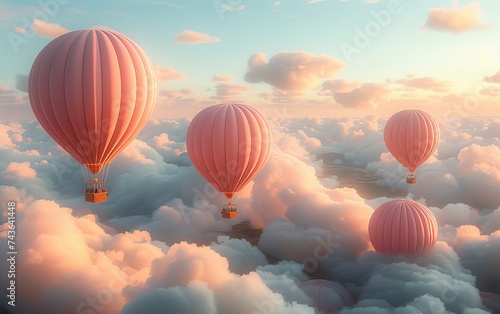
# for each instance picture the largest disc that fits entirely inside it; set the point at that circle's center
(406, 45)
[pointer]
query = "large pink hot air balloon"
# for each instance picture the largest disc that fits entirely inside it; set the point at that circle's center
(411, 136)
(92, 91)
(402, 226)
(328, 296)
(229, 144)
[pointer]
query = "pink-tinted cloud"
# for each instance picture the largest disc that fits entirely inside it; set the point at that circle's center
(227, 91)
(467, 233)
(456, 20)
(454, 98)
(191, 38)
(493, 79)
(266, 96)
(283, 96)
(177, 94)
(221, 78)
(427, 83)
(492, 91)
(482, 159)
(188, 91)
(22, 169)
(231, 7)
(12, 194)
(103, 27)
(6, 139)
(79, 260)
(367, 96)
(168, 74)
(44, 29)
(19, 30)
(186, 262)
(292, 71)
(340, 86)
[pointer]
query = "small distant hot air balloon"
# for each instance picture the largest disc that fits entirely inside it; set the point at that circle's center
(490, 300)
(229, 144)
(328, 296)
(92, 91)
(402, 226)
(411, 136)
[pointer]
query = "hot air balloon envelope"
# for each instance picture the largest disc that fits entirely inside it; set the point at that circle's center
(490, 300)
(229, 144)
(92, 91)
(411, 136)
(402, 226)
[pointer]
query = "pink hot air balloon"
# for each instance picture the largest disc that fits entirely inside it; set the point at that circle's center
(490, 300)
(402, 226)
(328, 296)
(92, 91)
(411, 136)
(229, 144)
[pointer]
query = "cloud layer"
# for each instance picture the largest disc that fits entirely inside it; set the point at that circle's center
(159, 245)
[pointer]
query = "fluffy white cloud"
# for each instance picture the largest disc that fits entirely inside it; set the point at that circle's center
(410, 82)
(192, 38)
(222, 78)
(456, 19)
(292, 71)
(168, 74)
(435, 282)
(230, 92)
(44, 29)
(367, 96)
(76, 259)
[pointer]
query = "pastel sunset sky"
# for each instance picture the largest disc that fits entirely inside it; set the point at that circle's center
(324, 58)
(326, 75)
